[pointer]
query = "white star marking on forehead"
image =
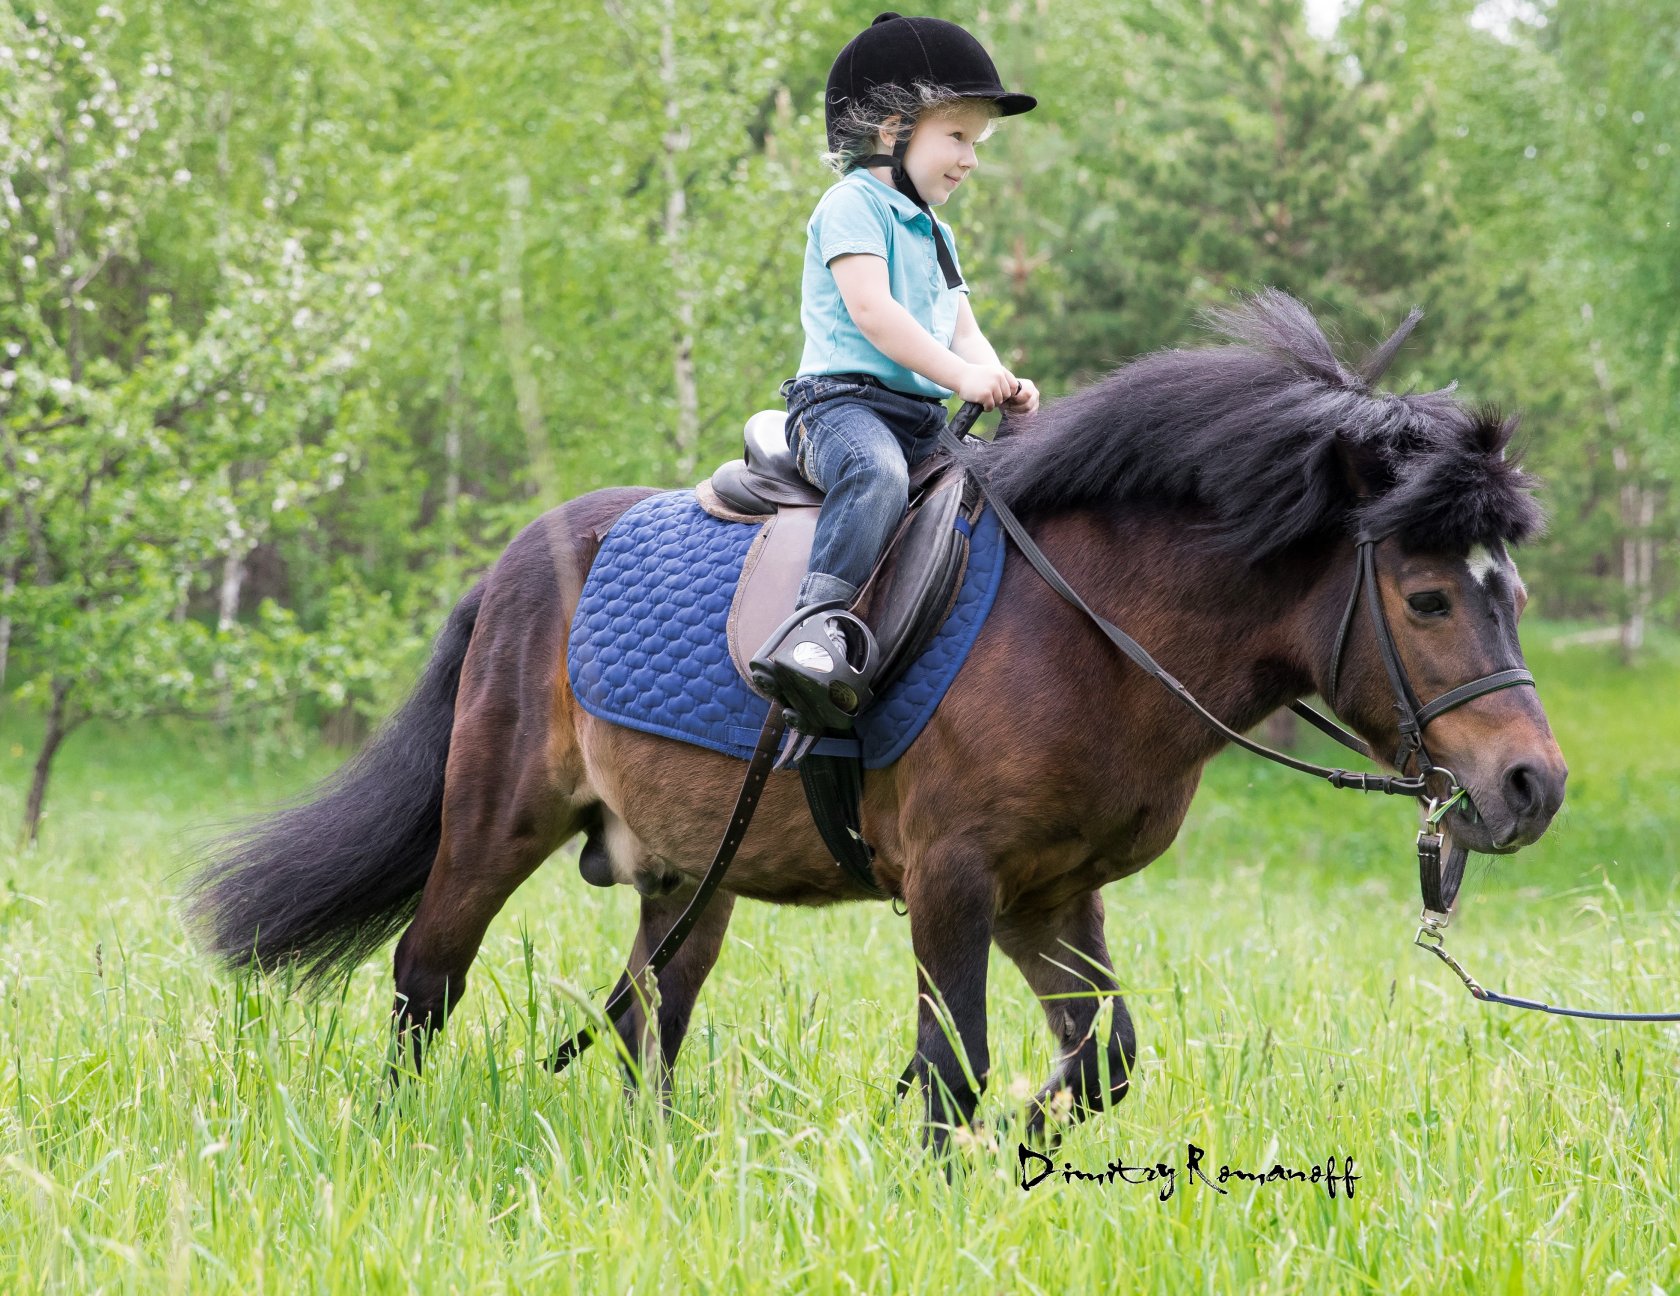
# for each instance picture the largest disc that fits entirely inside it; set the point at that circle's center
(1483, 562)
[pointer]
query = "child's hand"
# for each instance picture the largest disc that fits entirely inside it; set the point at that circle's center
(987, 385)
(1025, 399)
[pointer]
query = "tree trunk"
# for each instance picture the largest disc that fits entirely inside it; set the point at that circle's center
(31, 523)
(455, 416)
(1636, 509)
(676, 139)
(8, 587)
(58, 727)
(1281, 730)
(452, 466)
(227, 616)
(516, 340)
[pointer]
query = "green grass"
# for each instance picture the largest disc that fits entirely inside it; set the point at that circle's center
(163, 1128)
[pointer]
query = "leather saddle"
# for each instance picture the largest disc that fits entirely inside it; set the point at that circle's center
(905, 599)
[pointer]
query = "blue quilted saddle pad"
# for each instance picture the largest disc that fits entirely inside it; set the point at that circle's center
(649, 650)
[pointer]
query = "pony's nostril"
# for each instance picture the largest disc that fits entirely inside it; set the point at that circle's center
(1524, 790)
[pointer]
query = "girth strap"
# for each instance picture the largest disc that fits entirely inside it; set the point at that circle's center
(833, 788)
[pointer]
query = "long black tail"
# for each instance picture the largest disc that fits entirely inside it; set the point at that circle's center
(329, 879)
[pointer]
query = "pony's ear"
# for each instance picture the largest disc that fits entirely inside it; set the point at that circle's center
(1365, 468)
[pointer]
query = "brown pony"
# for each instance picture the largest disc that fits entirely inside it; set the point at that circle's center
(1203, 499)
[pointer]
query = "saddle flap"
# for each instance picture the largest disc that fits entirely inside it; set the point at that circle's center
(907, 598)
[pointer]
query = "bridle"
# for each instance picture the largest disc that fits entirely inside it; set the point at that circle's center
(1438, 878)
(1414, 716)
(1438, 884)
(1435, 786)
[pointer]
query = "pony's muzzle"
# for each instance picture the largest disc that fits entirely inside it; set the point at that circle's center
(1532, 792)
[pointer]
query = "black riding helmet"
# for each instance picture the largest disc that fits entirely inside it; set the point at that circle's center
(904, 52)
(898, 51)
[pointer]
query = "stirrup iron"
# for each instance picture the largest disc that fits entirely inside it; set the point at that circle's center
(819, 664)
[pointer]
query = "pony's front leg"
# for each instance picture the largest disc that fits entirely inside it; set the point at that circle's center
(951, 898)
(651, 1042)
(1063, 954)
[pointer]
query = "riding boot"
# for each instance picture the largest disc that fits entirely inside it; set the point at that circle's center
(819, 664)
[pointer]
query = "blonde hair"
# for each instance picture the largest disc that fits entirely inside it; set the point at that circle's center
(872, 116)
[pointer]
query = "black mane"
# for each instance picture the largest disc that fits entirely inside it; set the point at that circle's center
(1264, 434)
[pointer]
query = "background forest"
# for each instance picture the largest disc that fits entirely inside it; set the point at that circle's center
(306, 308)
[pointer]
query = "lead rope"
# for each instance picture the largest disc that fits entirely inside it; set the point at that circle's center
(1440, 881)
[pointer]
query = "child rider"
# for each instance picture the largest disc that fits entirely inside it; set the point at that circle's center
(889, 334)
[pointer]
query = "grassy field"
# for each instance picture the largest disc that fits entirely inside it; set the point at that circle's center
(165, 1129)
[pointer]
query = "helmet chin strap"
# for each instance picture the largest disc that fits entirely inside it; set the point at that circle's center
(906, 186)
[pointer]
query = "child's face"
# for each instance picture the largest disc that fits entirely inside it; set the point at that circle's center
(941, 152)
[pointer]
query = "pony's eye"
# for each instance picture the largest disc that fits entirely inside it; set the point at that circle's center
(1432, 604)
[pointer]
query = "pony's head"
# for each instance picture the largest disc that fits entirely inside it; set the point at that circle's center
(1280, 448)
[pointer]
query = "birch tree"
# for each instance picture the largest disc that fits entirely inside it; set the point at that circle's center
(148, 449)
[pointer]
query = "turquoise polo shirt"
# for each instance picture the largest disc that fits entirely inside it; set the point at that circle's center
(860, 214)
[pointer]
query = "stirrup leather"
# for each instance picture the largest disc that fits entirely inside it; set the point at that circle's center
(823, 684)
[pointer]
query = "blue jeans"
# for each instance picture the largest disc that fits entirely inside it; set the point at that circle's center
(856, 442)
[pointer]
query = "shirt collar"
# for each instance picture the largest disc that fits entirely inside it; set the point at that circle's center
(902, 206)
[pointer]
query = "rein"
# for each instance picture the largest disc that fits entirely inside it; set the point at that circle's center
(1435, 785)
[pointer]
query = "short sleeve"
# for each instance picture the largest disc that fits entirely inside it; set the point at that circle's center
(846, 221)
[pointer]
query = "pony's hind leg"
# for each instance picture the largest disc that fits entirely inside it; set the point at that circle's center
(513, 787)
(651, 1042)
(1063, 954)
(488, 849)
